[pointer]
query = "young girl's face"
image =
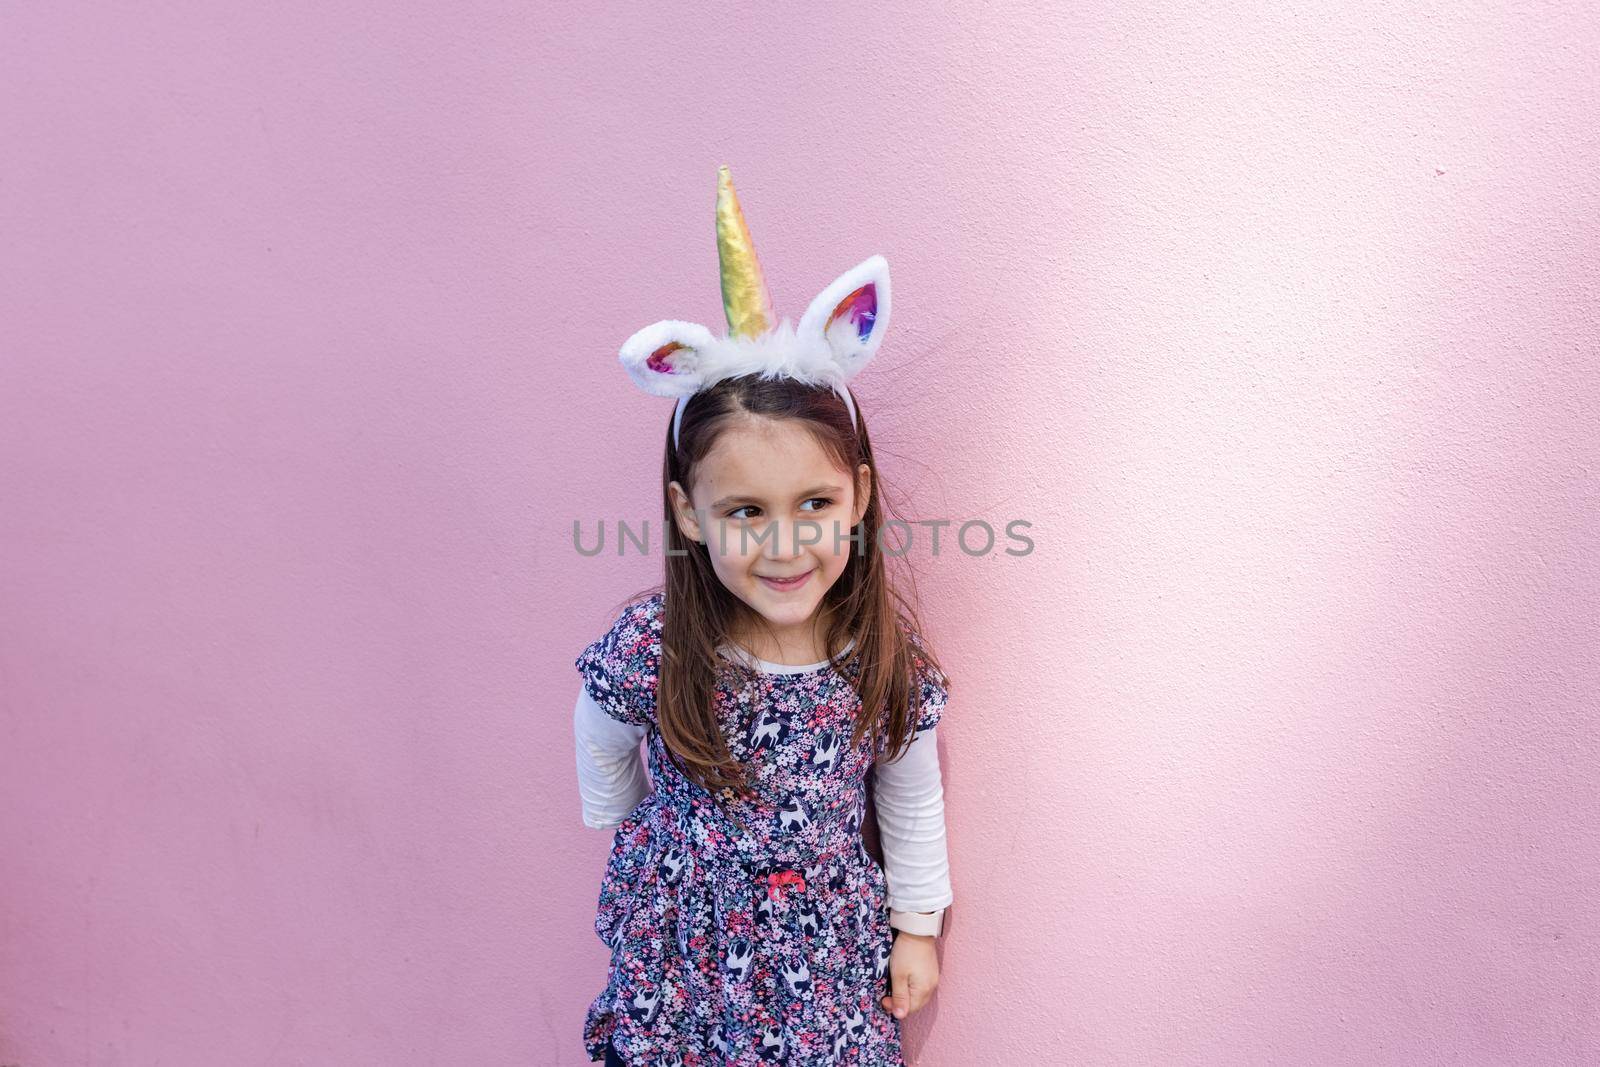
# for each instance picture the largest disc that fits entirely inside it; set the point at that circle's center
(768, 504)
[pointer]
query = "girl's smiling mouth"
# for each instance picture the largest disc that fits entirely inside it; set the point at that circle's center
(784, 585)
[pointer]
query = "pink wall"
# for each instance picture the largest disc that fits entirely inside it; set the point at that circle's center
(1280, 748)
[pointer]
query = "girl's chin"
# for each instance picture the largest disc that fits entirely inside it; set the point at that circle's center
(784, 609)
(791, 607)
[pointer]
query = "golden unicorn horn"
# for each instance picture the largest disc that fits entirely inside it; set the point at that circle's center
(745, 298)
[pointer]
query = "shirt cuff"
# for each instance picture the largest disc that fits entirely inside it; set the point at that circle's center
(917, 922)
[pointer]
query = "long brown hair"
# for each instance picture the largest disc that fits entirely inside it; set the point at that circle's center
(864, 604)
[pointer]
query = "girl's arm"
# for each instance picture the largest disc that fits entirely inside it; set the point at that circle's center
(910, 801)
(611, 775)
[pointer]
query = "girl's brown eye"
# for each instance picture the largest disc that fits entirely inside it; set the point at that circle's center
(734, 514)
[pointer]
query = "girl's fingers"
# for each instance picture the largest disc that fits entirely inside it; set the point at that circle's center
(902, 996)
(910, 992)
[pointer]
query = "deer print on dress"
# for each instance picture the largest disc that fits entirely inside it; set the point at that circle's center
(798, 977)
(793, 817)
(772, 1044)
(646, 1003)
(768, 731)
(827, 753)
(852, 825)
(855, 1028)
(741, 954)
(880, 963)
(671, 866)
(719, 1040)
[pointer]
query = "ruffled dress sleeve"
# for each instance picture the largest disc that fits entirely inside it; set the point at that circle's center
(933, 689)
(619, 668)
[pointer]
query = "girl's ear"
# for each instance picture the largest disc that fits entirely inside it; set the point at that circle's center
(852, 314)
(664, 359)
(683, 513)
(863, 495)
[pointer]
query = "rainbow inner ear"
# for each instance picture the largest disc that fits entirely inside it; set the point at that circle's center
(860, 307)
(660, 360)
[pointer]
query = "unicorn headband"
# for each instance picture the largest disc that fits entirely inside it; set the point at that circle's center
(837, 336)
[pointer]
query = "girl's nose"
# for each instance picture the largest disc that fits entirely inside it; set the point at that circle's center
(782, 540)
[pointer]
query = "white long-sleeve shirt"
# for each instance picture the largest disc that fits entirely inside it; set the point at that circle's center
(909, 795)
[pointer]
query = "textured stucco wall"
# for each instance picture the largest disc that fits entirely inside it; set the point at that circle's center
(1277, 322)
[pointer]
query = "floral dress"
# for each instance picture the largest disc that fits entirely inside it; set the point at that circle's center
(745, 931)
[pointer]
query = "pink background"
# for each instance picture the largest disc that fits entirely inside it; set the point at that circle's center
(1278, 324)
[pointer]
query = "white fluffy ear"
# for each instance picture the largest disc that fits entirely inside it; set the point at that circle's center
(664, 359)
(852, 314)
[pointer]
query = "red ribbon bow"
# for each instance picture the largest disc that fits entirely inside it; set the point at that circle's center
(784, 878)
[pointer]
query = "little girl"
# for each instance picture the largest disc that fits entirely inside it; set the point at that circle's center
(774, 670)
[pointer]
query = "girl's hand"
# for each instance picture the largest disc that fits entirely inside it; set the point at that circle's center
(913, 973)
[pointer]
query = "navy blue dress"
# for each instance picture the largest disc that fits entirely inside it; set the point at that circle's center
(745, 931)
